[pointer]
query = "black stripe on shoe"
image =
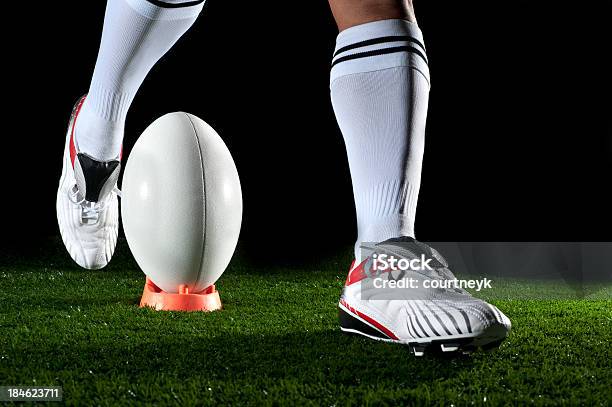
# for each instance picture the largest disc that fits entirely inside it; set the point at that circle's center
(382, 51)
(347, 321)
(412, 328)
(409, 324)
(465, 317)
(452, 318)
(416, 318)
(163, 4)
(427, 320)
(380, 40)
(438, 319)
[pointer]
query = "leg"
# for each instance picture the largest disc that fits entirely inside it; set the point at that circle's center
(379, 90)
(349, 13)
(137, 33)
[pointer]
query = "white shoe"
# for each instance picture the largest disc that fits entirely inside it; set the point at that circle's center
(87, 205)
(427, 319)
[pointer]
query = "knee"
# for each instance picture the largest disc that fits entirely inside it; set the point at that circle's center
(348, 13)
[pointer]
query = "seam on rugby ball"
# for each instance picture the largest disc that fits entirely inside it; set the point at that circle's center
(205, 215)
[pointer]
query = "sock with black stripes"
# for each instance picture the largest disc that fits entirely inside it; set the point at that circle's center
(380, 90)
(136, 34)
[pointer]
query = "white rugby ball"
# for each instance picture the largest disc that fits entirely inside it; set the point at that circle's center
(181, 203)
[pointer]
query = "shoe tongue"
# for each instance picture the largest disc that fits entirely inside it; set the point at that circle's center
(401, 239)
(95, 179)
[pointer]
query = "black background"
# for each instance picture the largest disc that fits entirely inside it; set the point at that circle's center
(518, 139)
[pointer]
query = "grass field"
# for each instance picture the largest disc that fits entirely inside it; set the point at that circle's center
(277, 342)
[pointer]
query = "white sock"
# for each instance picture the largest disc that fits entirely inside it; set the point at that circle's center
(380, 90)
(136, 34)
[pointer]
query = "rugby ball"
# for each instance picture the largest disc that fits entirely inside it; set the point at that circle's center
(181, 203)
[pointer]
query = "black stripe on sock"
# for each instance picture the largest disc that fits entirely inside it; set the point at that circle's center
(380, 40)
(160, 3)
(376, 52)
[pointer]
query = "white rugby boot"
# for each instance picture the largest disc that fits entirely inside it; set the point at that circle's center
(87, 205)
(385, 305)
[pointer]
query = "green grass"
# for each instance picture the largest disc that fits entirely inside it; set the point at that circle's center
(277, 342)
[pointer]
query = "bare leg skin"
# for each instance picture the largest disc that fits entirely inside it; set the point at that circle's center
(349, 13)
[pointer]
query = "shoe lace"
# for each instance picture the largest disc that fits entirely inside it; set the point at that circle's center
(90, 211)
